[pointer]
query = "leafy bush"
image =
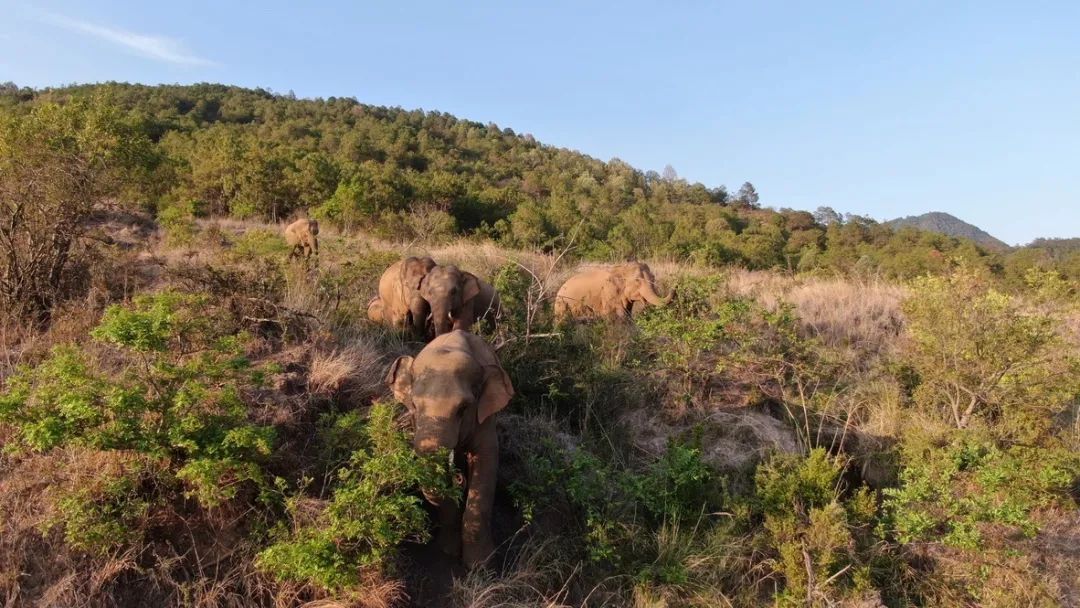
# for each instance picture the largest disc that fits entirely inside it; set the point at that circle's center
(178, 220)
(813, 528)
(521, 299)
(107, 512)
(170, 388)
(373, 509)
(693, 333)
(982, 358)
(614, 503)
(949, 492)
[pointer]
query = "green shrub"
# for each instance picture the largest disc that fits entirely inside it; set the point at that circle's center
(178, 220)
(677, 486)
(373, 509)
(983, 359)
(615, 505)
(260, 243)
(520, 296)
(169, 388)
(812, 528)
(949, 492)
(701, 320)
(108, 511)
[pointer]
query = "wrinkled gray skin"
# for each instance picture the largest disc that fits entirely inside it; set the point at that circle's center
(608, 292)
(399, 302)
(453, 389)
(458, 299)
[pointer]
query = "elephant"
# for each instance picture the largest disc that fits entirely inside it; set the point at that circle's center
(608, 292)
(399, 303)
(458, 299)
(303, 236)
(453, 389)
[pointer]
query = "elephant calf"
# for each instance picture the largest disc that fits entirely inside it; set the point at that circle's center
(608, 292)
(303, 236)
(453, 389)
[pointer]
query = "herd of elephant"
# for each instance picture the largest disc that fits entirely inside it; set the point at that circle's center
(456, 384)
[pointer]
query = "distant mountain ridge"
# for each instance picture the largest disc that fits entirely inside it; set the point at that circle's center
(950, 225)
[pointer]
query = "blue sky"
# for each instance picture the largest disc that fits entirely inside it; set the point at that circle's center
(878, 108)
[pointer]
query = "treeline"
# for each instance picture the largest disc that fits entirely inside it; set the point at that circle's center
(250, 153)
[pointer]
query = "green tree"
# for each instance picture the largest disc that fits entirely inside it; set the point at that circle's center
(56, 164)
(747, 194)
(981, 356)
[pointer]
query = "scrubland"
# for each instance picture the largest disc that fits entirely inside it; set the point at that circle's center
(210, 427)
(830, 412)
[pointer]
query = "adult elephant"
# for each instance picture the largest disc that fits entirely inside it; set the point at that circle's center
(607, 292)
(399, 303)
(453, 389)
(458, 299)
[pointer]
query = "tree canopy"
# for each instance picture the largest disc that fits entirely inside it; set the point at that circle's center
(253, 153)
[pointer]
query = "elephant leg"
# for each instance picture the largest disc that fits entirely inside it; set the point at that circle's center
(561, 312)
(483, 458)
(448, 518)
(619, 311)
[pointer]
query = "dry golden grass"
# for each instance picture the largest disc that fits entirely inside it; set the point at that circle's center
(525, 582)
(34, 562)
(301, 293)
(354, 371)
(375, 590)
(485, 259)
(865, 314)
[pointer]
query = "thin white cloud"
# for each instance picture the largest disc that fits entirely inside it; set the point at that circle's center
(153, 47)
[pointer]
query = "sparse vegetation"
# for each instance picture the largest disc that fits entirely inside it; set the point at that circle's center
(828, 413)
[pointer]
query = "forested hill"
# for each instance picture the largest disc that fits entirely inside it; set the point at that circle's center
(416, 174)
(944, 223)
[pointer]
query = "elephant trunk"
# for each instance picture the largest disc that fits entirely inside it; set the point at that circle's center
(649, 293)
(442, 320)
(435, 433)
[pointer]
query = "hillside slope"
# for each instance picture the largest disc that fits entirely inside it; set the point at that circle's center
(949, 225)
(188, 416)
(425, 175)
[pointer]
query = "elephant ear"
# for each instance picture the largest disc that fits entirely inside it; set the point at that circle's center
(470, 286)
(399, 379)
(414, 272)
(495, 394)
(635, 270)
